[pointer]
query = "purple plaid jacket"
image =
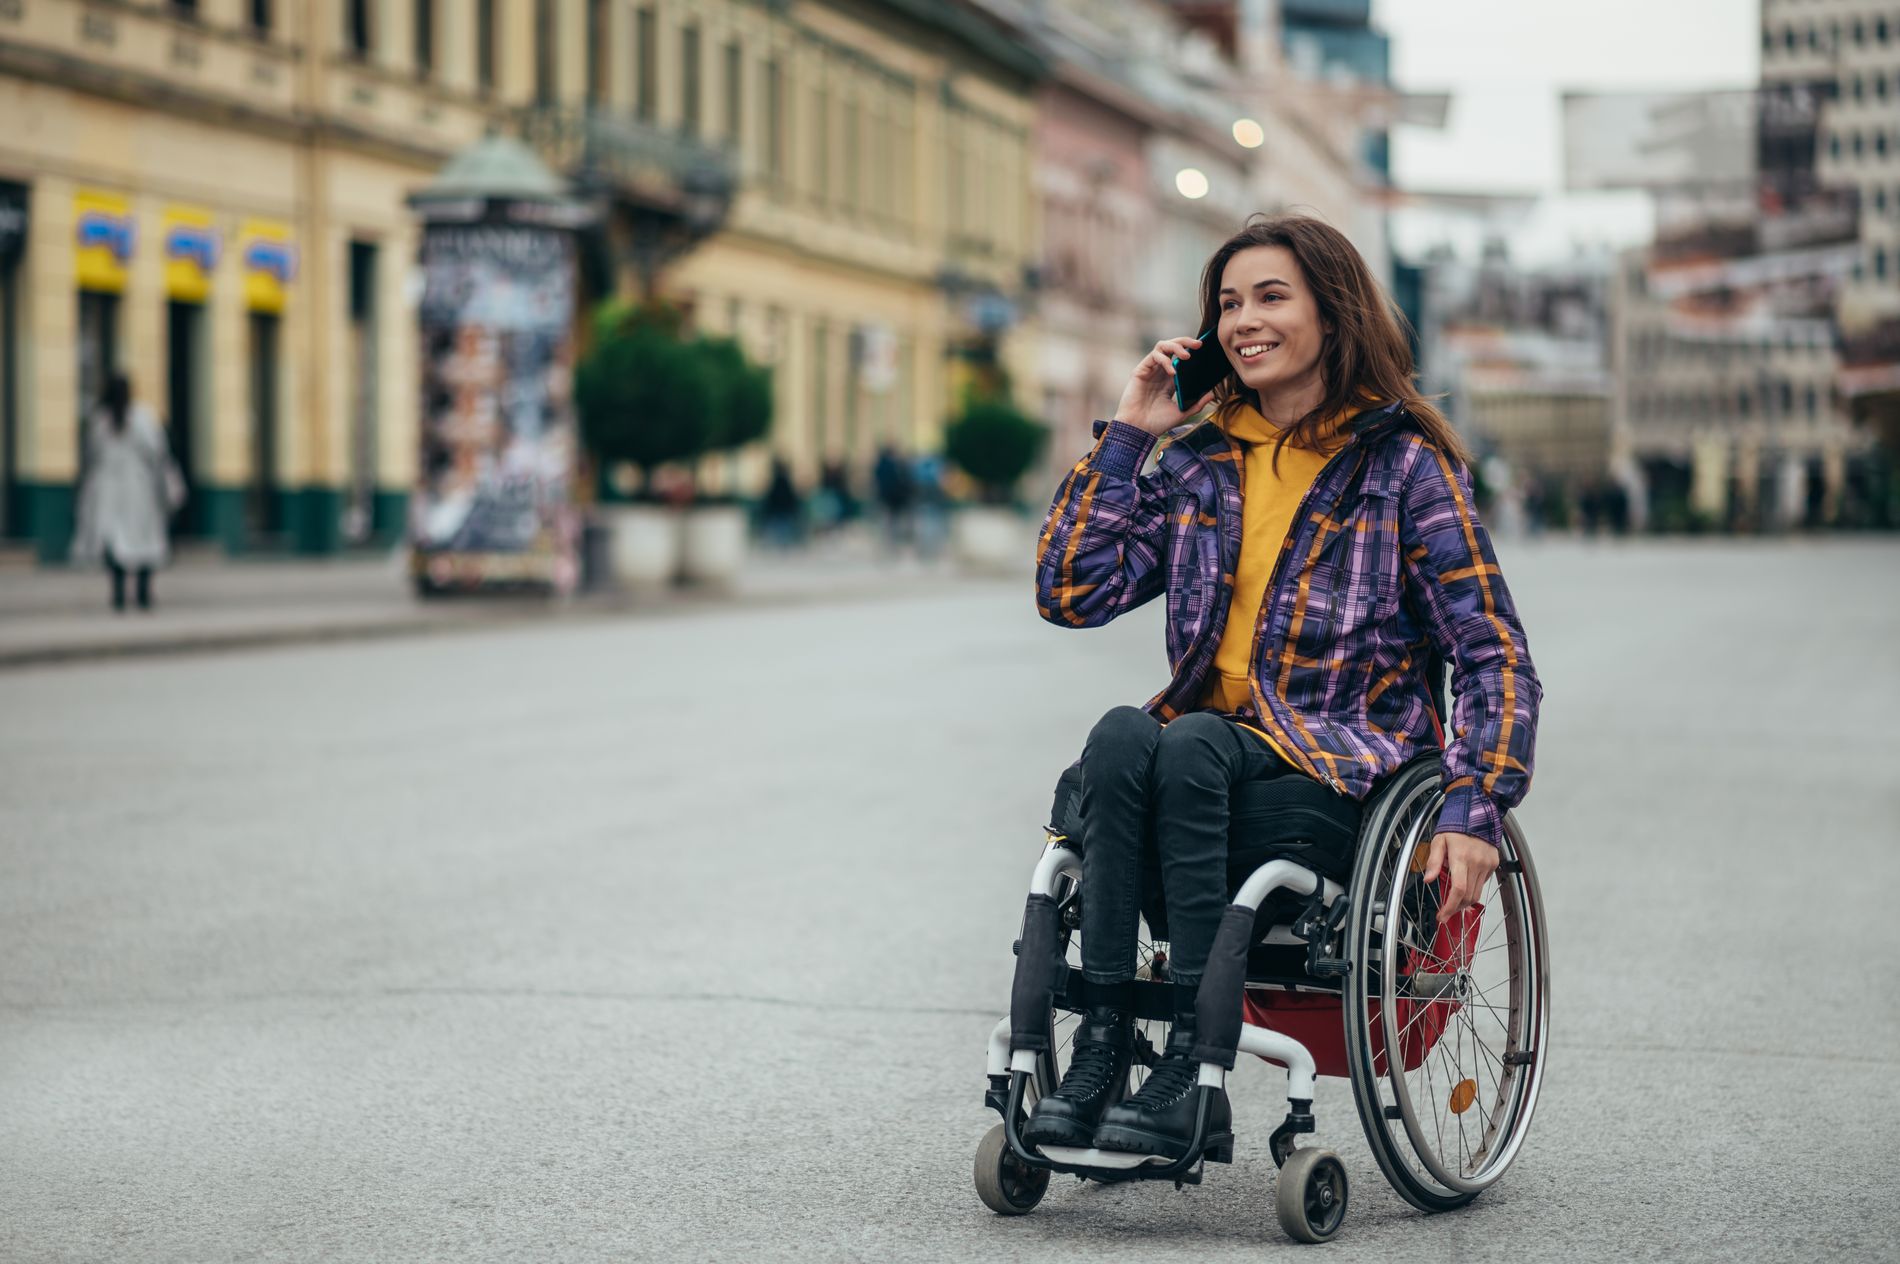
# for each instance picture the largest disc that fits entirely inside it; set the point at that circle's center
(1386, 567)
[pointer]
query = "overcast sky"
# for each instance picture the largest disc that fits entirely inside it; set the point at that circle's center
(1507, 65)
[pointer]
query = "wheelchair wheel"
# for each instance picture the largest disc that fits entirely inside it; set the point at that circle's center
(1310, 1199)
(1007, 1186)
(1445, 1025)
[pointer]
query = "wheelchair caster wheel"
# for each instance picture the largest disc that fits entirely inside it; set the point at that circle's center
(1311, 1197)
(1007, 1186)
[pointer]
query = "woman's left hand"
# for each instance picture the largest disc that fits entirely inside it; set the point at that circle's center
(1468, 861)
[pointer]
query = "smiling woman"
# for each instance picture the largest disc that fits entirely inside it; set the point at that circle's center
(1320, 553)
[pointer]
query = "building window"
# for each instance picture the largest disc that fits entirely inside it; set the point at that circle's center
(424, 12)
(821, 143)
(1834, 146)
(852, 115)
(689, 79)
(597, 52)
(1881, 30)
(260, 17)
(772, 120)
(645, 64)
(1860, 32)
(358, 33)
(1880, 144)
(1860, 144)
(186, 9)
(1860, 88)
(735, 92)
(1880, 262)
(485, 43)
(546, 45)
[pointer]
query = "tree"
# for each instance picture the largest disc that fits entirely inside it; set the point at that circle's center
(995, 444)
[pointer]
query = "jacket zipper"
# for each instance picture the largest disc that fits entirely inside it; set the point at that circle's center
(1266, 615)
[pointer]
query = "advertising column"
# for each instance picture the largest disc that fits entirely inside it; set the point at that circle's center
(493, 501)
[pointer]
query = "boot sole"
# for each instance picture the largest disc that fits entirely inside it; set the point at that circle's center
(1058, 1132)
(1218, 1148)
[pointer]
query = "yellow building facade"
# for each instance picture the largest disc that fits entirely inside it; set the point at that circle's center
(214, 202)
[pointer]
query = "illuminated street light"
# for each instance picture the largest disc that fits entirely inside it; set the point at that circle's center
(1191, 183)
(1249, 134)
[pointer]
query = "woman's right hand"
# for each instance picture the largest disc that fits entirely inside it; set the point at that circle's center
(1148, 399)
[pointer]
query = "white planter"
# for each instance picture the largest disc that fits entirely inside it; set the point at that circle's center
(646, 544)
(713, 545)
(991, 540)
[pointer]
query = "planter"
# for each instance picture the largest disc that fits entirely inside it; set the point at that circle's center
(646, 544)
(713, 545)
(991, 540)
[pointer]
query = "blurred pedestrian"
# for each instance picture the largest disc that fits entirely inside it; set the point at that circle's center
(933, 520)
(895, 493)
(782, 513)
(835, 504)
(129, 487)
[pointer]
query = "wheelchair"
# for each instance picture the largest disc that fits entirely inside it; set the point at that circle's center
(1332, 960)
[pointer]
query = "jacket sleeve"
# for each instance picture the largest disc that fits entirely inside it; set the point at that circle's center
(1449, 565)
(1102, 548)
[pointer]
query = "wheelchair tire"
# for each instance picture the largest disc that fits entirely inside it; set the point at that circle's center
(1007, 1186)
(1473, 1034)
(1310, 1199)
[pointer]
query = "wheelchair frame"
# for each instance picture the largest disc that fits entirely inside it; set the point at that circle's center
(1350, 938)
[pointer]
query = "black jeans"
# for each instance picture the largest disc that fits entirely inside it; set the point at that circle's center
(1167, 787)
(144, 578)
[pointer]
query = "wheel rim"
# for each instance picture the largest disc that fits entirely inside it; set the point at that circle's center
(1324, 1197)
(1486, 1010)
(1467, 1099)
(1022, 1185)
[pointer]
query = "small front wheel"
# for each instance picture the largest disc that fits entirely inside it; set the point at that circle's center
(1007, 1185)
(1311, 1197)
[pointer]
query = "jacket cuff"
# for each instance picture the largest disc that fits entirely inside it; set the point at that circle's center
(1468, 810)
(1121, 449)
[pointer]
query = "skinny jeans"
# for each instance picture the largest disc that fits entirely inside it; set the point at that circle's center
(1166, 788)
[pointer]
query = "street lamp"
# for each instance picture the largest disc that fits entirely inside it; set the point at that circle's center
(1248, 133)
(1191, 182)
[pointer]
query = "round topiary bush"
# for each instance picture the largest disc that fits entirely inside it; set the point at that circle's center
(995, 444)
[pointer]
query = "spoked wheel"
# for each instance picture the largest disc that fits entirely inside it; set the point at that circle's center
(1310, 1199)
(1006, 1185)
(1445, 1025)
(1151, 962)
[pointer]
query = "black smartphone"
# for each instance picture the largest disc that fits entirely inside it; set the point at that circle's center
(1200, 372)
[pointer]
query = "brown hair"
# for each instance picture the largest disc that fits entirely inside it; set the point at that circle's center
(1367, 352)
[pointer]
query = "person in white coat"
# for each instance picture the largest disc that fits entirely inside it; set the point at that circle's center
(128, 488)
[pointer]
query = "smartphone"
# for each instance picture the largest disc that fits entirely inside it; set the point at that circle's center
(1200, 372)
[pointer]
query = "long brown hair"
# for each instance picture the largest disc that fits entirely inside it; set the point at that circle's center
(1368, 352)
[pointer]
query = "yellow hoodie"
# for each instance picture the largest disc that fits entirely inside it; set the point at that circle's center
(1269, 499)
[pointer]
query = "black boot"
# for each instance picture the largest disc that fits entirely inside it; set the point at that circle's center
(1097, 1076)
(1159, 1118)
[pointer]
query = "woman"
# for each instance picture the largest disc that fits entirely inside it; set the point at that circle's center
(1317, 543)
(127, 492)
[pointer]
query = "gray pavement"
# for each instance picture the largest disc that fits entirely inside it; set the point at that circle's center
(679, 938)
(208, 602)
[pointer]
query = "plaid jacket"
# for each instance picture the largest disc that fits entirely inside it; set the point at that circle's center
(1385, 567)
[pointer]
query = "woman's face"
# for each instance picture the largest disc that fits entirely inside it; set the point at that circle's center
(1269, 322)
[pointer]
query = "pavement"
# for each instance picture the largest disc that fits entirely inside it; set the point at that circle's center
(631, 938)
(207, 602)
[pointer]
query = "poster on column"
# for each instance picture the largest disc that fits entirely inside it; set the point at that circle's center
(493, 499)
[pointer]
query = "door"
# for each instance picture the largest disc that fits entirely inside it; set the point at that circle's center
(184, 400)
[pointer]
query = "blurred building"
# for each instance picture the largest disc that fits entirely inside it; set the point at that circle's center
(1521, 358)
(1853, 51)
(209, 195)
(212, 196)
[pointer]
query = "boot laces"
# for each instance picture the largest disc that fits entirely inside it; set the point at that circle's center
(1172, 1079)
(1090, 1066)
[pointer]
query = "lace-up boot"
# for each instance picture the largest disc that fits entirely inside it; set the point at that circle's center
(1159, 1118)
(1097, 1076)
